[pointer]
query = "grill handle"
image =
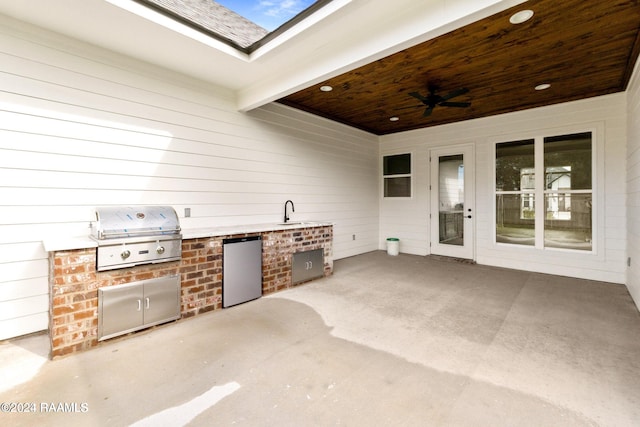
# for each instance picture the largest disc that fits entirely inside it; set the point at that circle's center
(102, 235)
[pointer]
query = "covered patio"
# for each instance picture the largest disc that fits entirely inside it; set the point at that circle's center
(384, 341)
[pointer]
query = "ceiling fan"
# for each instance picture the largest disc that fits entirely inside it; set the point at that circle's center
(432, 100)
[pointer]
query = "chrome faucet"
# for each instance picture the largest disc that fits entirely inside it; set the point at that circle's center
(286, 217)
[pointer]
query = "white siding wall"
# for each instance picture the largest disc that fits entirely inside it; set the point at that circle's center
(633, 185)
(606, 116)
(81, 127)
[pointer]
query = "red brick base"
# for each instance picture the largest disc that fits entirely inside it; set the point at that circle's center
(74, 281)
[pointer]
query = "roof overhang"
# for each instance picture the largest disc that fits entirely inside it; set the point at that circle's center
(338, 37)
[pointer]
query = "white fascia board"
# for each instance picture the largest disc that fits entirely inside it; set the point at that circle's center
(340, 46)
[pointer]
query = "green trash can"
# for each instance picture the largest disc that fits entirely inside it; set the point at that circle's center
(393, 246)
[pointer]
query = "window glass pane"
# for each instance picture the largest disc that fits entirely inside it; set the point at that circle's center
(397, 187)
(567, 162)
(451, 199)
(451, 228)
(567, 221)
(397, 165)
(514, 165)
(451, 183)
(515, 219)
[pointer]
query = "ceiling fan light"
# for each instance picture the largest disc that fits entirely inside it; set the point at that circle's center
(520, 17)
(543, 86)
(326, 88)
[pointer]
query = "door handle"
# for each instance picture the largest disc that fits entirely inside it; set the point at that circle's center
(146, 300)
(468, 216)
(139, 305)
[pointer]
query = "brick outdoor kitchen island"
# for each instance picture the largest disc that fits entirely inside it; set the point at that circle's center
(74, 281)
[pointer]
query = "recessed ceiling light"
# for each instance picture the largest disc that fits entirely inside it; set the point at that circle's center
(520, 17)
(394, 119)
(326, 88)
(543, 86)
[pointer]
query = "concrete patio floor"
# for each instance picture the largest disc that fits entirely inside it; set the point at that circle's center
(385, 341)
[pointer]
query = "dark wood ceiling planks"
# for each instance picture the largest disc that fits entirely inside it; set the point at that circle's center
(583, 48)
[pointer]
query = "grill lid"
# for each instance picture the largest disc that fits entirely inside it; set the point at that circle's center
(134, 221)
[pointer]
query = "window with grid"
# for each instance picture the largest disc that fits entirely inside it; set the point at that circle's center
(556, 172)
(397, 175)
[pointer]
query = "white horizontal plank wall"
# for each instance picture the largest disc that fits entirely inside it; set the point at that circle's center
(81, 127)
(633, 186)
(409, 219)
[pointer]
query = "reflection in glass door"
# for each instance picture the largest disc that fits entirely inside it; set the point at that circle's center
(452, 202)
(451, 199)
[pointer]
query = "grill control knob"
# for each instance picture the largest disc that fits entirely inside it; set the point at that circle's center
(160, 250)
(125, 254)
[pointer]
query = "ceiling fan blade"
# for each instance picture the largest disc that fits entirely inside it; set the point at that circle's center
(455, 93)
(427, 112)
(455, 104)
(414, 106)
(418, 96)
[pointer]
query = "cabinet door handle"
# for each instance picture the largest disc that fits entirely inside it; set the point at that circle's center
(146, 300)
(310, 265)
(139, 305)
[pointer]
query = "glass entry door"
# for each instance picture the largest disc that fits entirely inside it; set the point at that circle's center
(452, 210)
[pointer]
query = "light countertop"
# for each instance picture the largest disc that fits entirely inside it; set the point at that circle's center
(69, 243)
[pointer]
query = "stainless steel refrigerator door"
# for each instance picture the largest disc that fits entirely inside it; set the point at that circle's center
(241, 270)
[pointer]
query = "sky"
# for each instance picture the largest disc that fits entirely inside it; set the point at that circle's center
(269, 14)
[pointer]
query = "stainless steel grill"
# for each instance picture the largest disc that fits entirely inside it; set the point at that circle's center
(129, 236)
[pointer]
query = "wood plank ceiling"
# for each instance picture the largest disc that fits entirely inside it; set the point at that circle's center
(582, 48)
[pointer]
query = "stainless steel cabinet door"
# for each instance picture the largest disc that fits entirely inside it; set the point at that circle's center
(129, 307)
(161, 300)
(307, 265)
(299, 263)
(316, 268)
(120, 310)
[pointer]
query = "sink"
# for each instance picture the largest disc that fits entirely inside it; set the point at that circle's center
(291, 223)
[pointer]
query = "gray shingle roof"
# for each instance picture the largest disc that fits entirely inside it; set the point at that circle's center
(216, 18)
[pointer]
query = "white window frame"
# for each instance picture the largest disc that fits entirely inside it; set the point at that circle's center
(405, 175)
(597, 186)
